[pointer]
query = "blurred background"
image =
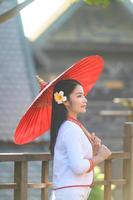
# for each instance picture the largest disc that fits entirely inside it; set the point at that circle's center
(45, 39)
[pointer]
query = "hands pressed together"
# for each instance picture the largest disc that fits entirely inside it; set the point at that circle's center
(99, 149)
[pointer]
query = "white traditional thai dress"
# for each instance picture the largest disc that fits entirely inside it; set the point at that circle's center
(72, 166)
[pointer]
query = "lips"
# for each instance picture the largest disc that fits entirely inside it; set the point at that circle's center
(83, 106)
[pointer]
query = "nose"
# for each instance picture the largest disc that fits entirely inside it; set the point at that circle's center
(85, 99)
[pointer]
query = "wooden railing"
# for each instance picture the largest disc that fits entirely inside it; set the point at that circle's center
(128, 114)
(20, 185)
(126, 102)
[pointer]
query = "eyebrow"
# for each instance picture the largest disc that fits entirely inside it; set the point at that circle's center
(79, 92)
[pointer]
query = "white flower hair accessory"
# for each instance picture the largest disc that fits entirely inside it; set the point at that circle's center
(59, 97)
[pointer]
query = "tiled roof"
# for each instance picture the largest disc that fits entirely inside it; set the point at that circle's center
(98, 26)
(16, 75)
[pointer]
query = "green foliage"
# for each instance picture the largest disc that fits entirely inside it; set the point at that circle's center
(97, 193)
(97, 2)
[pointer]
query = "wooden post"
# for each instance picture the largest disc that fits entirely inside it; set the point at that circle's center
(45, 173)
(20, 178)
(130, 117)
(128, 164)
(107, 178)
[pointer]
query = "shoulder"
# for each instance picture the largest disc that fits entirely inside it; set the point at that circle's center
(69, 128)
(69, 125)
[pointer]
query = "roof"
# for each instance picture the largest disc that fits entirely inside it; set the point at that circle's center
(91, 24)
(17, 84)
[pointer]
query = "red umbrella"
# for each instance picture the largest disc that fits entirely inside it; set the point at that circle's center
(36, 120)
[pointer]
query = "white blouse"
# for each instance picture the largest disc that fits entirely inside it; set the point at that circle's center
(71, 157)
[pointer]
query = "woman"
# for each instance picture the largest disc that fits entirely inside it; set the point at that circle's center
(74, 149)
(75, 152)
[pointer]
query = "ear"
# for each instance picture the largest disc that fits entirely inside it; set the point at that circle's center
(66, 103)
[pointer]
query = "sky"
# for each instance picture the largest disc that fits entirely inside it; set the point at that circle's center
(37, 13)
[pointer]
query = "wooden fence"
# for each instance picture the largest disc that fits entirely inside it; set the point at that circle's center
(21, 185)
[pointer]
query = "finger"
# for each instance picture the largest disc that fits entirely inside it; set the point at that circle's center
(99, 144)
(97, 140)
(93, 134)
(93, 138)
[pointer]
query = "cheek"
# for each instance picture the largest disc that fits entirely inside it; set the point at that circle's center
(76, 104)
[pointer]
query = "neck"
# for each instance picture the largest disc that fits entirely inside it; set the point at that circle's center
(75, 120)
(72, 115)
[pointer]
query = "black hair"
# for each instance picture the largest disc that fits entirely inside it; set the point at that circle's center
(59, 111)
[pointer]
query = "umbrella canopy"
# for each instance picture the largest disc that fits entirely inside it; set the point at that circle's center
(36, 120)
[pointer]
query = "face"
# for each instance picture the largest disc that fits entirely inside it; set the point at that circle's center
(77, 103)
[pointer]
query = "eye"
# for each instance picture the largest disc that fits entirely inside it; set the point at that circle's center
(80, 95)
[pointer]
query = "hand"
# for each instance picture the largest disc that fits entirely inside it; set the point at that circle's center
(104, 152)
(96, 143)
(96, 140)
